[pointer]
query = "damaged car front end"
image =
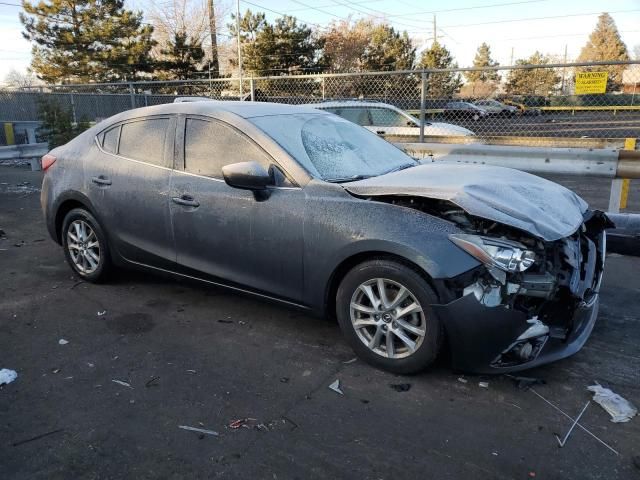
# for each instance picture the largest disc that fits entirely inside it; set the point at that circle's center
(533, 298)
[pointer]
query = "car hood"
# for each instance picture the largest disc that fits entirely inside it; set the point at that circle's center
(511, 197)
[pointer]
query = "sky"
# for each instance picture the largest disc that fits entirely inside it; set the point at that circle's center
(517, 27)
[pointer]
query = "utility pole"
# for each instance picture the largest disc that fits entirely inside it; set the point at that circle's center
(511, 61)
(214, 65)
(435, 31)
(564, 69)
(239, 46)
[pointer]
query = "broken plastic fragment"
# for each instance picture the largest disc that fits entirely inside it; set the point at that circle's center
(335, 386)
(7, 376)
(620, 409)
(483, 384)
(102, 313)
(199, 430)
(120, 382)
(62, 341)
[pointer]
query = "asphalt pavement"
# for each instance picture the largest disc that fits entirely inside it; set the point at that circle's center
(146, 355)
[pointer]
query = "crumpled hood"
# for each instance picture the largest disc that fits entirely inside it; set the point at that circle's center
(511, 197)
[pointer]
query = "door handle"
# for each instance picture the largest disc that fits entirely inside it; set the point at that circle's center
(185, 200)
(101, 180)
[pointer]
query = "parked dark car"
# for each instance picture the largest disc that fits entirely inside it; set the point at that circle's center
(308, 209)
(465, 111)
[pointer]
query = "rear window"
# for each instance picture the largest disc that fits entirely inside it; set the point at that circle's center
(144, 140)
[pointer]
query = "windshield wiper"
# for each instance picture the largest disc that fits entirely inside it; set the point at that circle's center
(402, 167)
(349, 179)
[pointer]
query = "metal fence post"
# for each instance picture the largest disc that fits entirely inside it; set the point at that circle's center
(252, 87)
(132, 94)
(323, 91)
(73, 108)
(423, 104)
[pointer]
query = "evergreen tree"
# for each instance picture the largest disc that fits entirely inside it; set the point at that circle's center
(388, 50)
(442, 84)
(605, 44)
(281, 48)
(86, 40)
(532, 81)
(483, 59)
(180, 58)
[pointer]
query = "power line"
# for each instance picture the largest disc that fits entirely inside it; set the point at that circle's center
(282, 14)
(381, 14)
(460, 9)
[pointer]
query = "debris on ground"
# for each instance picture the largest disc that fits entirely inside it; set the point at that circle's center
(483, 384)
(62, 341)
(124, 384)
(525, 383)
(199, 430)
(583, 428)
(7, 376)
(563, 442)
(225, 321)
(37, 437)
(284, 380)
(191, 371)
(620, 409)
(103, 312)
(353, 360)
(240, 422)
(152, 382)
(462, 380)
(401, 387)
(306, 373)
(335, 386)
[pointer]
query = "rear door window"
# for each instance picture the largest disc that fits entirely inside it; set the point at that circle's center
(144, 140)
(110, 140)
(357, 115)
(209, 145)
(385, 117)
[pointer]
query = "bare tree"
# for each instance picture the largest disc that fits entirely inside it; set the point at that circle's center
(16, 79)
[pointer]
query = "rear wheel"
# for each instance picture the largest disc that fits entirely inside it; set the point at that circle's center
(383, 308)
(85, 246)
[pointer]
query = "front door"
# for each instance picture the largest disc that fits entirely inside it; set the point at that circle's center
(227, 233)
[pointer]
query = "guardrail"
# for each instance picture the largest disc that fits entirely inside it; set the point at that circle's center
(31, 152)
(618, 165)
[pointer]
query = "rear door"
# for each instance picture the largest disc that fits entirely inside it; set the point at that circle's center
(131, 184)
(226, 233)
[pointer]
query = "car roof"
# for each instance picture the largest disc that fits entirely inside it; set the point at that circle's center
(350, 103)
(209, 107)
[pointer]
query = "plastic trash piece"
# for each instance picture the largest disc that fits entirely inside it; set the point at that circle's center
(120, 382)
(483, 384)
(335, 386)
(62, 341)
(199, 430)
(7, 376)
(462, 380)
(100, 314)
(620, 409)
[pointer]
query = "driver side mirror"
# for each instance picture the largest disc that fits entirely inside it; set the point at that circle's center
(246, 175)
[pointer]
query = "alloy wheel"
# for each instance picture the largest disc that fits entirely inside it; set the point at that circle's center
(83, 246)
(387, 318)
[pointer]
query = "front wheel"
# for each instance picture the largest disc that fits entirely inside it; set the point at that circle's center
(383, 308)
(85, 246)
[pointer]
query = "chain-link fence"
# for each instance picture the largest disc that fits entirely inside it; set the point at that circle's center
(555, 105)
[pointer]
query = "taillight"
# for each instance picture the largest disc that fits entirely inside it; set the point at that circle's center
(47, 161)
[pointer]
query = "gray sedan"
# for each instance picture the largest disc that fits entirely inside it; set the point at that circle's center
(305, 208)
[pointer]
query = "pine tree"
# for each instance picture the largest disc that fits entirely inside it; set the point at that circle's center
(532, 81)
(443, 84)
(180, 58)
(483, 59)
(388, 50)
(86, 40)
(605, 44)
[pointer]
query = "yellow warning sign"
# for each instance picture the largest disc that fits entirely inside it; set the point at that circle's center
(591, 82)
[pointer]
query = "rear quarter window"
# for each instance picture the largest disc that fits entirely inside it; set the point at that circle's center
(109, 139)
(144, 140)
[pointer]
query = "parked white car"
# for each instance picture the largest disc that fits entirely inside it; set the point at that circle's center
(385, 119)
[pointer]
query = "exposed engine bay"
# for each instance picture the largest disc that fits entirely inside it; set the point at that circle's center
(545, 280)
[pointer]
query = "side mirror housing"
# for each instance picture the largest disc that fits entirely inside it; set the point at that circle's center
(246, 175)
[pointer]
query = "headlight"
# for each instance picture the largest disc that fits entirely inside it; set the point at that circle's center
(503, 254)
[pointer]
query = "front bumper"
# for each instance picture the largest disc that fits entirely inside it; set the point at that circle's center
(501, 338)
(478, 335)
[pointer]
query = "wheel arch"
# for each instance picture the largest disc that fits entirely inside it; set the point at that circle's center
(350, 262)
(68, 202)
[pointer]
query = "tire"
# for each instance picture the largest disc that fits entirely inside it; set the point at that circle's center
(83, 239)
(378, 325)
